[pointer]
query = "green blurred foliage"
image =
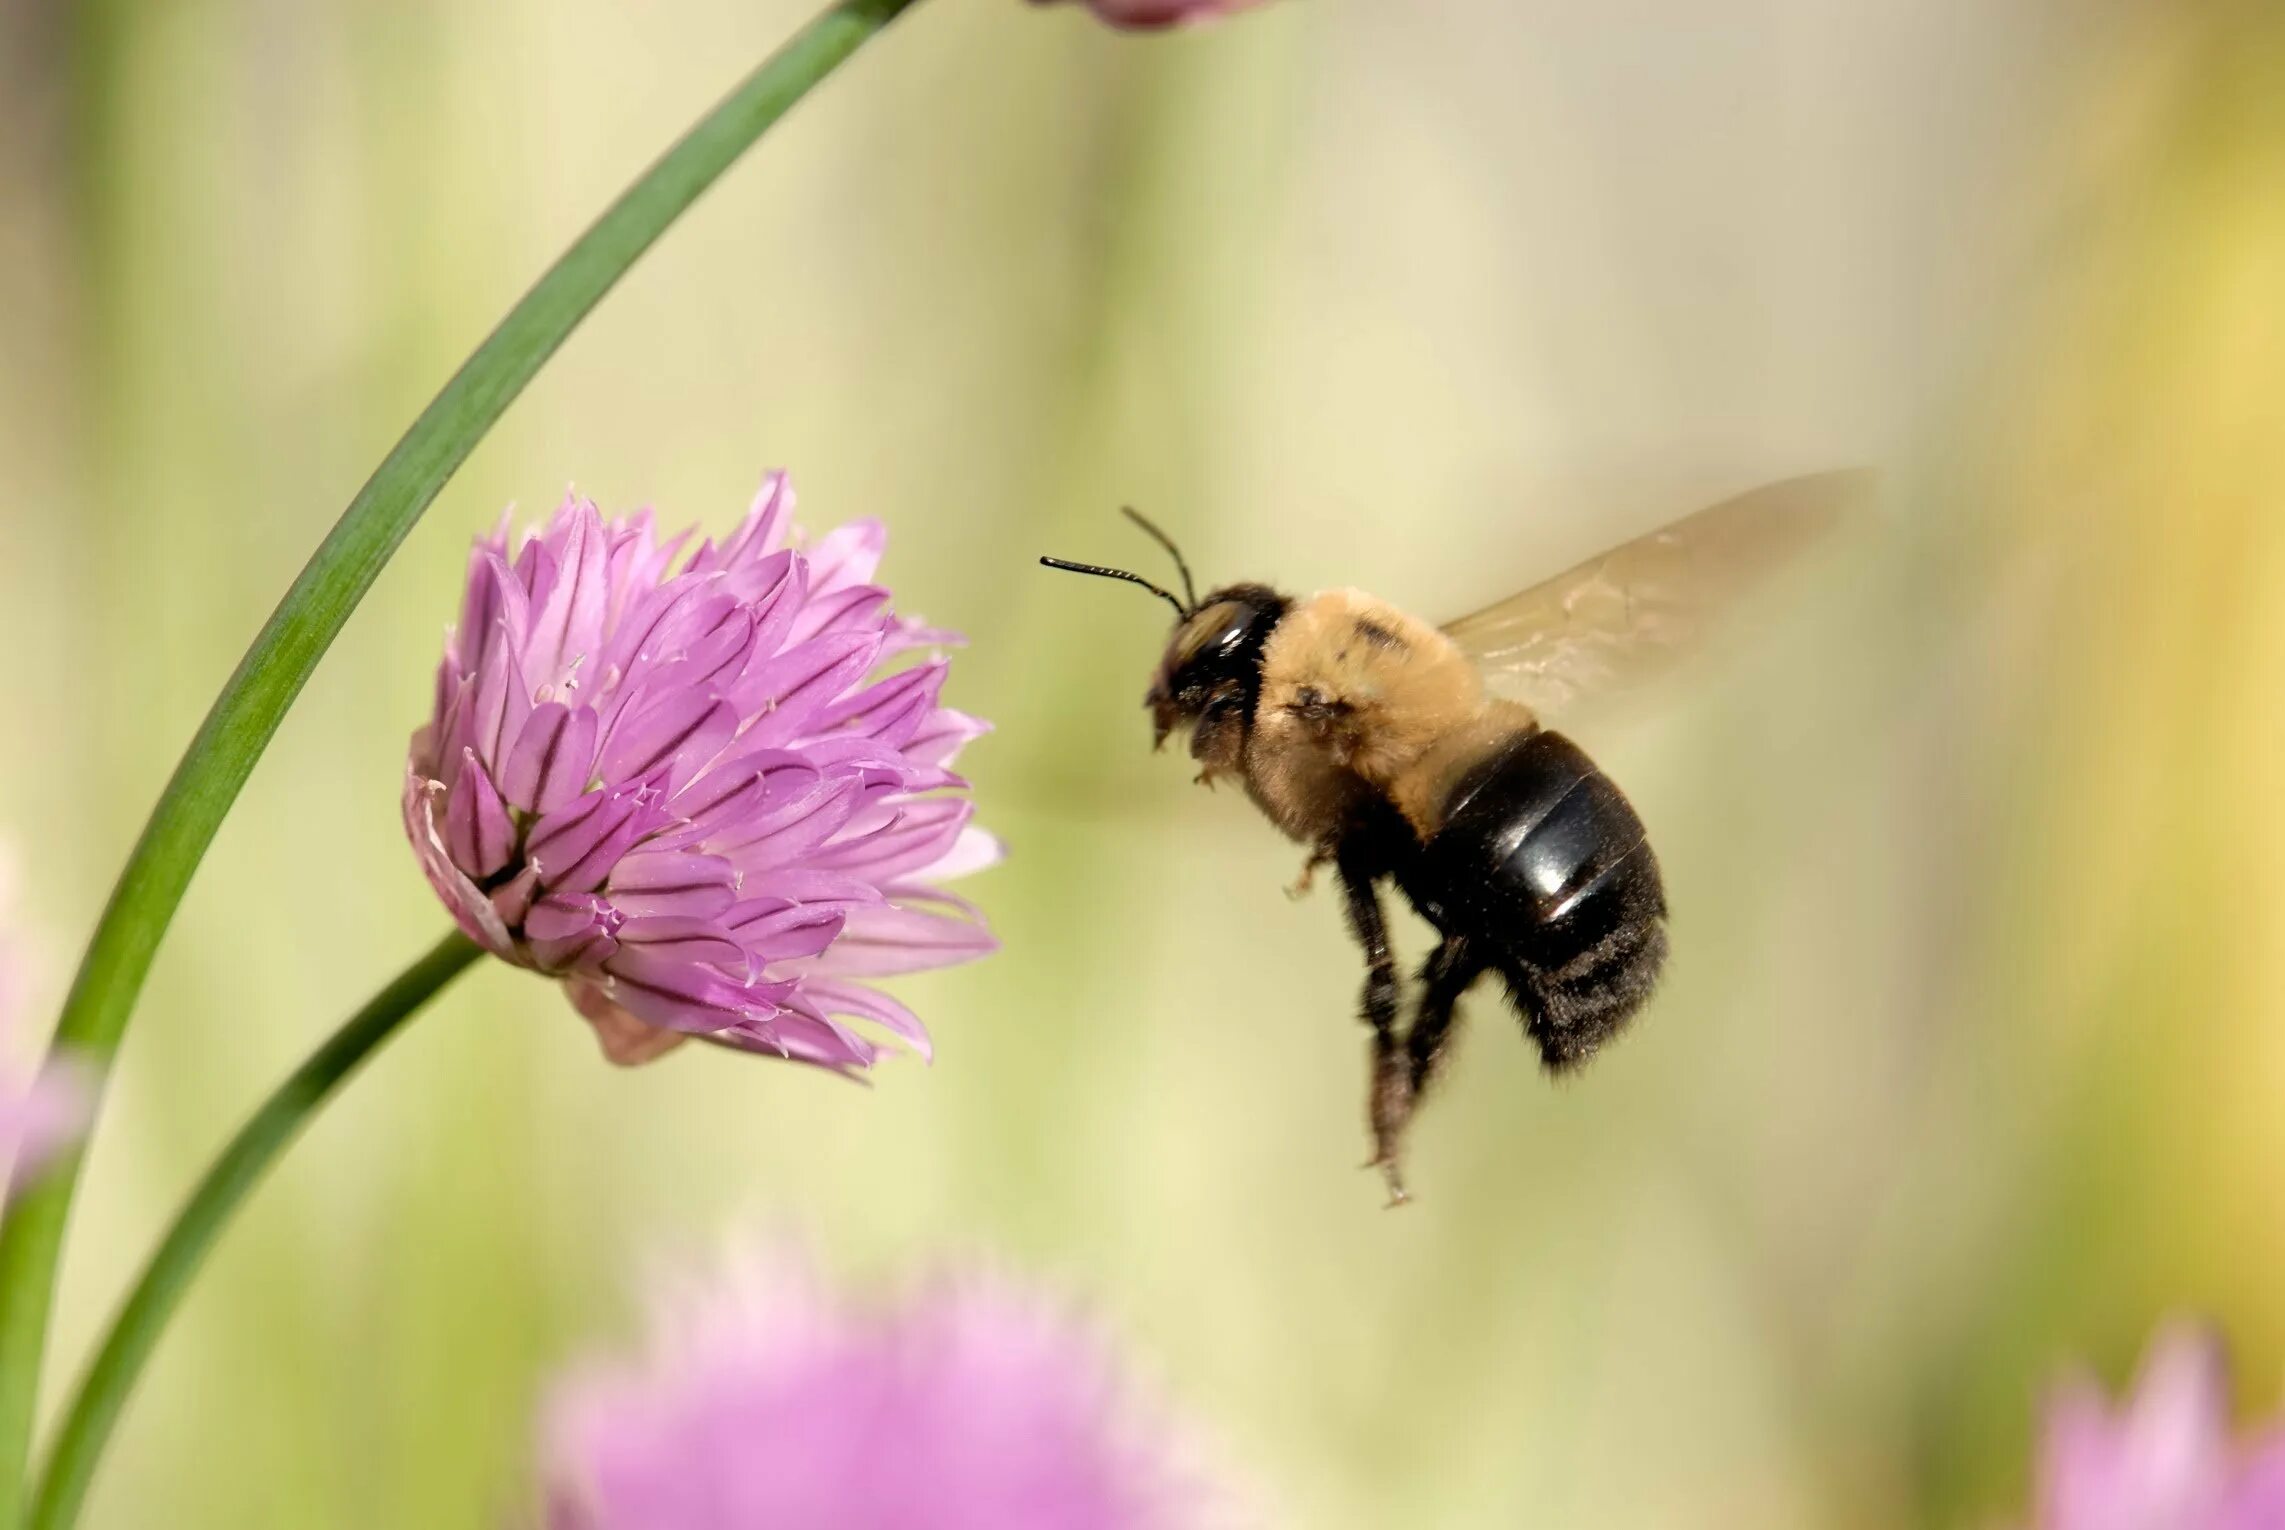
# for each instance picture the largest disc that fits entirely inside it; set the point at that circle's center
(1970, 1058)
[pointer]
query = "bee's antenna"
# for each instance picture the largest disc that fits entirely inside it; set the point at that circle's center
(1180, 609)
(1189, 590)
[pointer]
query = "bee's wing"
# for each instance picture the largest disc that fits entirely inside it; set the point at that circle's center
(1626, 616)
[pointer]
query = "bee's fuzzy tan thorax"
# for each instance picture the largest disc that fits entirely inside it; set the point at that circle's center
(1356, 694)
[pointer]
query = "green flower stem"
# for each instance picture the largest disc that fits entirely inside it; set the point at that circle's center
(251, 705)
(111, 1375)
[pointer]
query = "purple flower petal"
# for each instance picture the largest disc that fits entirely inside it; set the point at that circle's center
(891, 711)
(569, 595)
(476, 827)
(789, 691)
(884, 940)
(685, 938)
(857, 608)
(498, 704)
(552, 758)
(659, 626)
(871, 1004)
(799, 1038)
(790, 834)
(676, 734)
(941, 738)
(2166, 1460)
(662, 882)
(847, 555)
(972, 850)
(495, 612)
(683, 995)
(914, 835)
(470, 909)
(784, 933)
(571, 929)
(577, 848)
(625, 1040)
(800, 884)
(909, 632)
(513, 900)
(763, 528)
(746, 797)
(638, 564)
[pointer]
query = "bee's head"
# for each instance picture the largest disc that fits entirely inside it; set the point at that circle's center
(1211, 671)
(1210, 674)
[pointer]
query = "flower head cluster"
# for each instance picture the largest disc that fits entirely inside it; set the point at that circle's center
(685, 785)
(1155, 15)
(42, 1112)
(768, 1405)
(2164, 1460)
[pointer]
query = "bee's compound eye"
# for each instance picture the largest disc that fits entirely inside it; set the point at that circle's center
(1232, 634)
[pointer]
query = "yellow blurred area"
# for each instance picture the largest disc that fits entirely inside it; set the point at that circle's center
(1971, 1059)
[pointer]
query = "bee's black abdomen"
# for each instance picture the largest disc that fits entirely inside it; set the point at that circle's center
(1541, 861)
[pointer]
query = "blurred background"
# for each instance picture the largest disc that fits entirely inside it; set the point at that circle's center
(1969, 1062)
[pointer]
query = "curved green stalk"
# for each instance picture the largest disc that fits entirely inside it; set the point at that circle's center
(94, 1408)
(297, 634)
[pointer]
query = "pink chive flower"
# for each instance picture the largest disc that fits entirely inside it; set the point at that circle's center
(686, 787)
(766, 1404)
(1156, 15)
(2163, 1460)
(43, 1111)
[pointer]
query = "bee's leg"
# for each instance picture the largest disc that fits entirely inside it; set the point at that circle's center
(1443, 978)
(1320, 856)
(1389, 1101)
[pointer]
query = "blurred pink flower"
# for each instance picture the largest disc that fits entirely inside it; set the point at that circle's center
(684, 791)
(1154, 15)
(42, 1112)
(769, 1405)
(2164, 1460)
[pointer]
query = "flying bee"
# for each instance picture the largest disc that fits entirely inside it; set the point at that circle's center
(1403, 753)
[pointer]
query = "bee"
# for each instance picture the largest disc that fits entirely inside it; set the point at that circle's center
(1410, 755)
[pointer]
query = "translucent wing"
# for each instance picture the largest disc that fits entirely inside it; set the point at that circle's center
(1626, 616)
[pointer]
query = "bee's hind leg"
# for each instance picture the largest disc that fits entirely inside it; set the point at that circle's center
(1450, 968)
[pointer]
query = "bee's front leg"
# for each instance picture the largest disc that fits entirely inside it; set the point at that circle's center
(1322, 855)
(1388, 1101)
